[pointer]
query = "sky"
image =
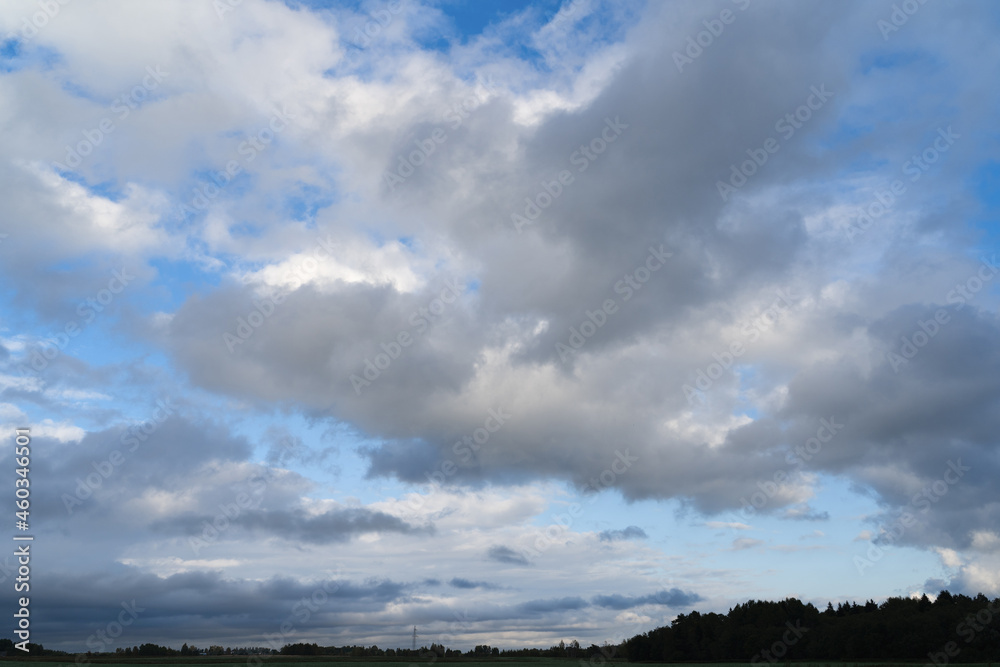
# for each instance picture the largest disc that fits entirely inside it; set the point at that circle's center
(515, 321)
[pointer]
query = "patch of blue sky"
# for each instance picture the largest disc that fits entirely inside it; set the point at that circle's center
(888, 60)
(247, 229)
(11, 57)
(78, 91)
(306, 201)
(469, 19)
(770, 545)
(748, 378)
(607, 509)
(232, 134)
(176, 281)
(328, 455)
(376, 237)
(111, 190)
(207, 181)
(98, 343)
(16, 55)
(985, 184)
(93, 340)
(322, 5)
(71, 265)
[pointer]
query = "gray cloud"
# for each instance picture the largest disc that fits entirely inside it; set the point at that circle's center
(673, 597)
(333, 526)
(628, 533)
(459, 582)
(502, 554)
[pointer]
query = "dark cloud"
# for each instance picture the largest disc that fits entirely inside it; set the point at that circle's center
(459, 582)
(199, 605)
(502, 554)
(910, 425)
(673, 597)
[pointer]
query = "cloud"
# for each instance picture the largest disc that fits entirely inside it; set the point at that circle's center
(459, 582)
(627, 533)
(805, 513)
(673, 597)
(732, 525)
(325, 528)
(502, 554)
(741, 543)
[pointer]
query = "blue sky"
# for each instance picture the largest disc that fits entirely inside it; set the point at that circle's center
(538, 295)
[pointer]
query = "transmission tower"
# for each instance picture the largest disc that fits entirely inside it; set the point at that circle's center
(414, 638)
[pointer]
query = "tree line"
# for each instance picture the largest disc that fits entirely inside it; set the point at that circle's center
(953, 628)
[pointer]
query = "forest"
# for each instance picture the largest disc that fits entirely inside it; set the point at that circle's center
(952, 628)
